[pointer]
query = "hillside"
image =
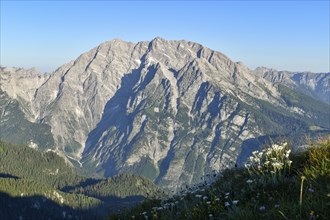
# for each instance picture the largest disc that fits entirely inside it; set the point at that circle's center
(275, 184)
(33, 183)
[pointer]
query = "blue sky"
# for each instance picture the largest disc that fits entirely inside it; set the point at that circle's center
(283, 35)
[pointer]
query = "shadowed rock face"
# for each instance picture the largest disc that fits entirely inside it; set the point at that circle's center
(169, 110)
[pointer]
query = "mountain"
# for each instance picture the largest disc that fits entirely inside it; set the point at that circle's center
(172, 111)
(316, 85)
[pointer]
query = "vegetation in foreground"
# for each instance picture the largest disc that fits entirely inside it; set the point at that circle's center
(274, 184)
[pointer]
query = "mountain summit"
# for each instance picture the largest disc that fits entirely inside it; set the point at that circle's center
(172, 111)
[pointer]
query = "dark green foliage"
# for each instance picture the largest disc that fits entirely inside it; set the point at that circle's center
(121, 186)
(49, 168)
(41, 184)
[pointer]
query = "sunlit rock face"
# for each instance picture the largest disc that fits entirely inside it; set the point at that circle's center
(172, 111)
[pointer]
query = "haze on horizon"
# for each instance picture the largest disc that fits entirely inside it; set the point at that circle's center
(282, 35)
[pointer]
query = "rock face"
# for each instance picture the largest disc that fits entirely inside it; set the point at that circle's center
(172, 111)
(316, 85)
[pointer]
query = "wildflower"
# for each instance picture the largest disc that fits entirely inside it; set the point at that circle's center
(273, 159)
(205, 198)
(312, 215)
(278, 165)
(277, 206)
(198, 196)
(287, 153)
(310, 190)
(227, 204)
(227, 194)
(235, 202)
(262, 208)
(249, 181)
(208, 202)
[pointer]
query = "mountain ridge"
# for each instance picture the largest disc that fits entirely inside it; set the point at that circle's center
(159, 108)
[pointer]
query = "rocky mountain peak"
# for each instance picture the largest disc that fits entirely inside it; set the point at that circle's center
(168, 110)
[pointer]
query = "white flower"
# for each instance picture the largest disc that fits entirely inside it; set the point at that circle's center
(277, 165)
(249, 181)
(205, 198)
(262, 208)
(227, 204)
(208, 202)
(277, 206)
(287, 153)
(310, 190)
(235, 202)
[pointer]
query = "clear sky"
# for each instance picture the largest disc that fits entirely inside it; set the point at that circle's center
(283, 35)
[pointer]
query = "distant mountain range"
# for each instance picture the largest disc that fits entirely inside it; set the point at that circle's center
(172, 111)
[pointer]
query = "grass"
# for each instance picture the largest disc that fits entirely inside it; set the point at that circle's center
(299, 191)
